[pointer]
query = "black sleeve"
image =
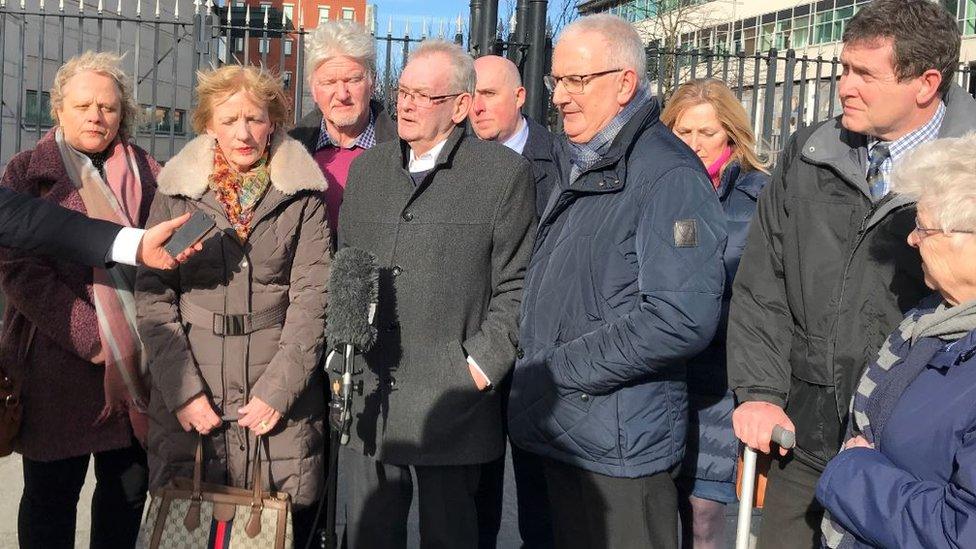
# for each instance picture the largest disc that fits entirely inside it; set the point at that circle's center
(43, 228)
(760, 330)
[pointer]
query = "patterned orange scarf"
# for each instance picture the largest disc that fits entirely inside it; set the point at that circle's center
(239, 193)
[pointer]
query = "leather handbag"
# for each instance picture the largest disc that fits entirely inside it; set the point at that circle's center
(191, 514)
(11, 408)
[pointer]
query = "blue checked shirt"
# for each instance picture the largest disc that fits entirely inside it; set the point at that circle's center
(907, 142)
(586, 154)
(366, 140)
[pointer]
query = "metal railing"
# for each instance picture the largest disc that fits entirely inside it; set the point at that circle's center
(164, 47)
(781, 91)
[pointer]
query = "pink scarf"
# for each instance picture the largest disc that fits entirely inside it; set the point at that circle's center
(715, 169)
(117, 200)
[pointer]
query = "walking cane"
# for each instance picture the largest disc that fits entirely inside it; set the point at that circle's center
(785, 439)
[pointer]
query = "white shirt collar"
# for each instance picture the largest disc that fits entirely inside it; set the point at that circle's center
(425, 161)
(521, 136)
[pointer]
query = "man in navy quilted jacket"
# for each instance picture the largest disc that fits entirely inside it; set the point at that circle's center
(624, 286)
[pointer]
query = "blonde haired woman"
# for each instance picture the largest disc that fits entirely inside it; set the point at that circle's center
(705, 114)
(237, 330)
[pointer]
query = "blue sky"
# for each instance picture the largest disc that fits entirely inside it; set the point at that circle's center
(435, 11)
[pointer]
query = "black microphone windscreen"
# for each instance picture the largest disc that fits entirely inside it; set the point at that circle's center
(353, 289)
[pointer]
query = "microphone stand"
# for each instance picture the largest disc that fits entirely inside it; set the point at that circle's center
(340, 419)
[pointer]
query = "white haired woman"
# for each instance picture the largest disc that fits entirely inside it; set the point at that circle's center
(907, 474)
(69, 331)
(341, 70)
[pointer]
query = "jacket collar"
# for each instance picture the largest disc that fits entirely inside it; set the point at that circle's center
(291, 168)
(833, 145)
(614, 172)
(844, 151)
(446, 156)
(733, 177)
(309, 128)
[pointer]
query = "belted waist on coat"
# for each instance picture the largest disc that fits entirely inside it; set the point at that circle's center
(236, 324)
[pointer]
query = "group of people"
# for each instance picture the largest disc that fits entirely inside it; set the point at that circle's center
(602, 302)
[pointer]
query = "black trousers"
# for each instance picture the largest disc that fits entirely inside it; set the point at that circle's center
(592, 510)
(49, 504)
(534, 520)
(791, 513)
(378, 497)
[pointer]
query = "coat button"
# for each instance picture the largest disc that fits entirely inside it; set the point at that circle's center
(585, 397)
(240, 390)
(519, 353)
(397, 270)
(407, 216)
(244, 264)
(242, 447)
(392, 382)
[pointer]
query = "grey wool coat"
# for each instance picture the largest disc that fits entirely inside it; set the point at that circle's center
(452, 253)
(284, 262)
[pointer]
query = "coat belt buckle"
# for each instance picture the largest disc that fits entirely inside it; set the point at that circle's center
(228, 325)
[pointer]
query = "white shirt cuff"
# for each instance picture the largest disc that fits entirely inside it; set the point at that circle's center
(125, 248)
(480, 371)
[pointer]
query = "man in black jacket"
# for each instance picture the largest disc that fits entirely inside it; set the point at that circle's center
(826, 272)
(496, 115)
(451, 220)
(42, 228)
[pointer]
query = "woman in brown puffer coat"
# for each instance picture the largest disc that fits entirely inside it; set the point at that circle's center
(237, 331)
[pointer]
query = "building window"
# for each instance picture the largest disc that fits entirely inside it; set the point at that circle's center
(264, 45)
(289, 43)
(164, 119)
(238, 4)
(286, 79)
(323, 14)
(238, 45)
(39, 109)
(289, 11)
(348, 14)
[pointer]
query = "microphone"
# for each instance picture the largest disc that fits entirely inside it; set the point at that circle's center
(353, 293)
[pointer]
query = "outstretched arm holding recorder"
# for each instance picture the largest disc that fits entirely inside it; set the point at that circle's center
(43, 228)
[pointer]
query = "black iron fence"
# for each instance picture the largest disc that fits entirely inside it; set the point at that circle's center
(782, 91)
(165, 43)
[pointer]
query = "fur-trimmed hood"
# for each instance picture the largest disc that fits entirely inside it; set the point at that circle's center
(291, 168)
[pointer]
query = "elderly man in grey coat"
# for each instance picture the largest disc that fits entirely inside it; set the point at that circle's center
(451, 220)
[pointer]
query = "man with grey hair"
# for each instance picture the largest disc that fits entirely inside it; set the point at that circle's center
(624, 287)
(341, 70)
(450, 219)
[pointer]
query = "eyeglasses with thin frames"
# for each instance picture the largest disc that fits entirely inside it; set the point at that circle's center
(422, 99)
(927, 231)
(574, 84)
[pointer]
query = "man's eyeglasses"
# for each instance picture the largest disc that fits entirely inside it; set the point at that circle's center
(421, 99)
(927, 231)
(574, 84)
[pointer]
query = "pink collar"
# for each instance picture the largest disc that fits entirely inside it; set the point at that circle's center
(715, 169)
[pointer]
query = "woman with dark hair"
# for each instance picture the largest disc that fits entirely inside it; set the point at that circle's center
(705, 114)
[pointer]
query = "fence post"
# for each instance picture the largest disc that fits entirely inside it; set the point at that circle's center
(770, 96)
(475, 45)
(535, 67)
(489, 27)
(787, 108)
